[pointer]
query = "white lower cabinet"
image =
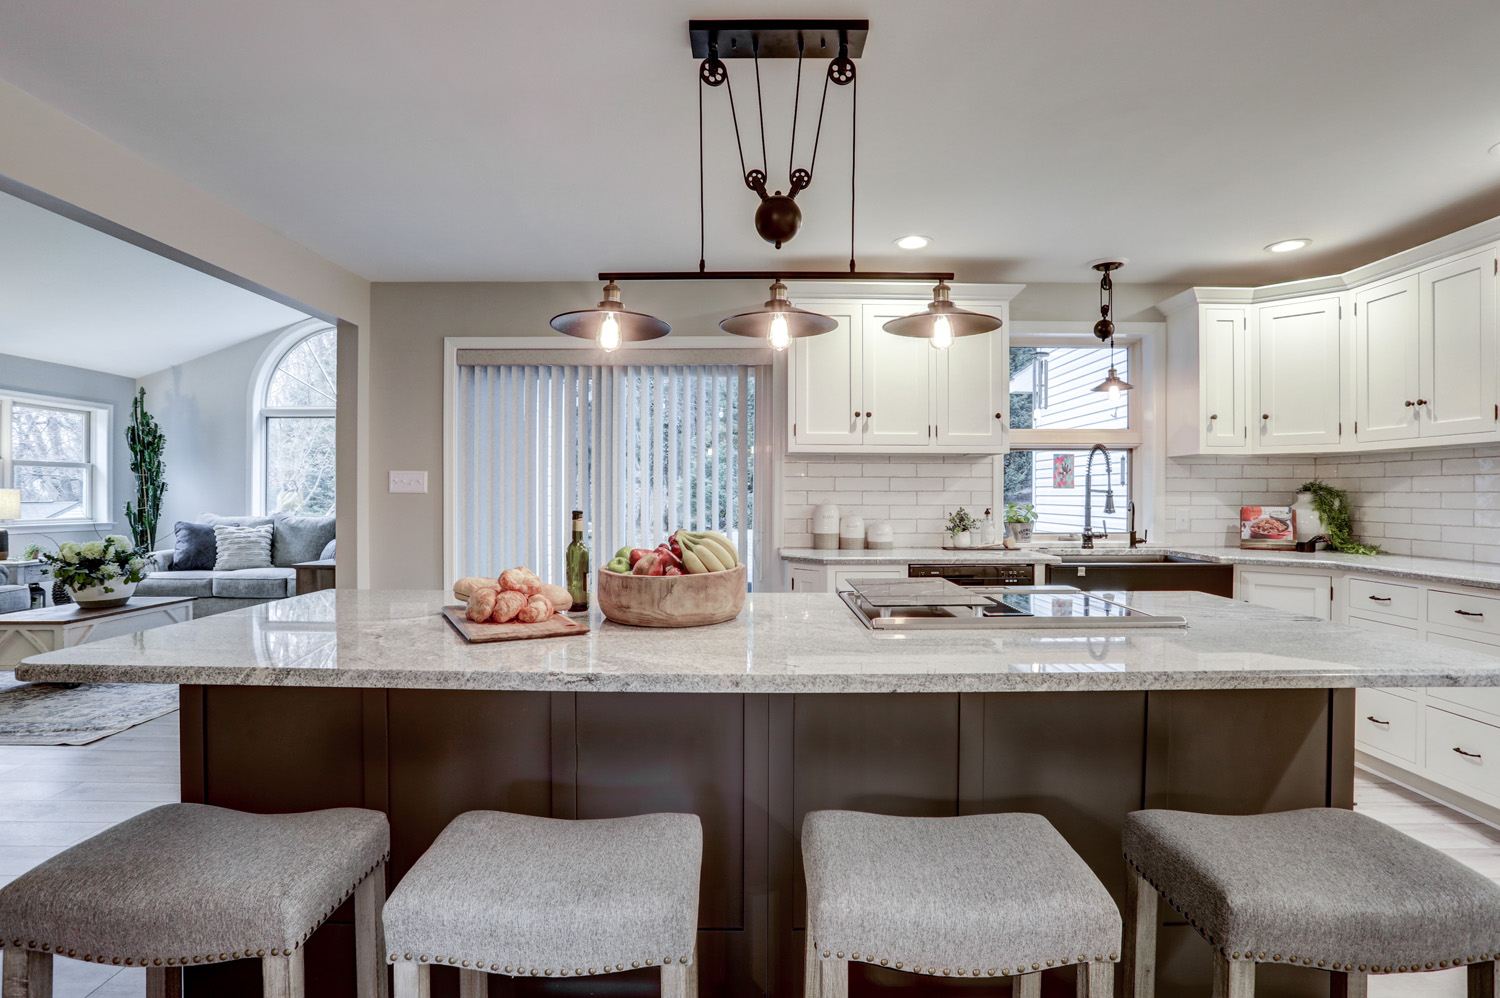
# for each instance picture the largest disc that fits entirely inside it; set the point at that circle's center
(805, 578)
(1387, 721)
(1294, 592)
(1463, 751)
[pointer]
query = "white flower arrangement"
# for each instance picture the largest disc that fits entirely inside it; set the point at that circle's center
(96, 563)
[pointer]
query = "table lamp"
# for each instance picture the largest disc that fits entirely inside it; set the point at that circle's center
(10, 509)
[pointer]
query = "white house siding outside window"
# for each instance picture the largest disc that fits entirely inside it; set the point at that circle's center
(295, 427)
(54, 451)
(1055, 412)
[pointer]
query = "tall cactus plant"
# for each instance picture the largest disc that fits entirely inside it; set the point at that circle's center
(146, 443)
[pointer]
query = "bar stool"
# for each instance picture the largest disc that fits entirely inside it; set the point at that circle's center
(520, 896)
(979, 896)
(189, 884)
(1323, 888)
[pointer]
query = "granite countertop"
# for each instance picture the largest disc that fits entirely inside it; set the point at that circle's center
(780, 643)
(1438, 570)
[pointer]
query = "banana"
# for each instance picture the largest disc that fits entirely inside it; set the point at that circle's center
(721, 547)
(707, 554)
(691, 561)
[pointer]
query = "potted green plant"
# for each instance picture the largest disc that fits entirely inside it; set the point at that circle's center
(96, 574)
(1018, 520)
(960, 523)
(146, 442)
(1336, 514)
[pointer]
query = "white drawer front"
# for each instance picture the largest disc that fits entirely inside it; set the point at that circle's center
(1480, 614)
(1386, 722)
(1370, 596)
(1377, 624)
(1460, 750)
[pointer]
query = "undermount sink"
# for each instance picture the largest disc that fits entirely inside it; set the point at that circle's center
(1124, 570)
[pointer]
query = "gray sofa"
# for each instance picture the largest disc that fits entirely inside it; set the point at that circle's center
(13, 598)
(294, 539)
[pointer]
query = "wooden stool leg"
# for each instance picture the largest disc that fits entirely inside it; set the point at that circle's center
(27, 974)
(476, 984)
(1139, 954)
(1233, 978)
(1343, 985)
(1482, 980)
(810, 967)
(1027, 986)
(833, 979)
(413, 980)
(369, 936)
(281, 976)
(1096, 980)
(163, 982)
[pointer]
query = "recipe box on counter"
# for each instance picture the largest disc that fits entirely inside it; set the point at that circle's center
(1266, 527)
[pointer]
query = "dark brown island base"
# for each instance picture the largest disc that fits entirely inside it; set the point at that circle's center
(368, 699)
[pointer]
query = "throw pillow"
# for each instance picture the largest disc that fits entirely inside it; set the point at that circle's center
(299, 538)
(242, 547)
(330, 552)
(195, 550)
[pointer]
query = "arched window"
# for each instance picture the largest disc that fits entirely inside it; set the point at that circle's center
(296, 399)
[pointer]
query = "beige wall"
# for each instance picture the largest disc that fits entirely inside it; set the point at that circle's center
(410, 321)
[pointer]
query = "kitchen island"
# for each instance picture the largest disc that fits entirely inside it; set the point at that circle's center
(368, 698)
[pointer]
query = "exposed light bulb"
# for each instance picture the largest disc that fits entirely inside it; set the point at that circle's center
(779, 337)
(609, 333)
(1114, 394)
(942, 333)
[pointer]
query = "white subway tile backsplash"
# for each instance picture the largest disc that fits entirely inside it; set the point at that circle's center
(914, 494)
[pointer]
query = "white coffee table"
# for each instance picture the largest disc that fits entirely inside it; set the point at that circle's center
(48, 628)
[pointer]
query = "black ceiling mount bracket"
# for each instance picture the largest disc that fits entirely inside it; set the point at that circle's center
(823, 38)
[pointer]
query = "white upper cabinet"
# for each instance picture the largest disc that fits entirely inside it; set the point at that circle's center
(1386, 361)
(1297, 375)
(1457, 332)
(1224, 408)
(860, 388)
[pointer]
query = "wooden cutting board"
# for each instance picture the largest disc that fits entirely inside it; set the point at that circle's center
(556, 626)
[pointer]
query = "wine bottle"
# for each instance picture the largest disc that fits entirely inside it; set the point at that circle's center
(577, 561)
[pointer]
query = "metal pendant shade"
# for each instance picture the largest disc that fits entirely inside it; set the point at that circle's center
(778, 320)
(960, 322)
(1114, 383)
(1105, 328)
(593, 323)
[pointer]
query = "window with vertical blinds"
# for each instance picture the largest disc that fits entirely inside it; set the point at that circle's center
(642, 449)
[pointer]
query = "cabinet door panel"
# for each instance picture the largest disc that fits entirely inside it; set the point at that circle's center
(1298, 392)
(973, 396)
(1222, 371)
(898, 384)
(1386, 352)
(1458, 347)
(1310, 595)
(826, 384)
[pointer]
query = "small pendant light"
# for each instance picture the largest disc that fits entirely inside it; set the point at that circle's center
(942, 320)
(609, 323)
(1105, 330)
(778, 322)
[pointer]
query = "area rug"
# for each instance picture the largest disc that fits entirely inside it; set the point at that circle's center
(63, 714)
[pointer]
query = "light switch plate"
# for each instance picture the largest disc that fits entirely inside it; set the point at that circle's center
(408, 481)
(1182, 519)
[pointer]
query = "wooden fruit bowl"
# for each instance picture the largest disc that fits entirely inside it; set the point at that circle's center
(671, 600)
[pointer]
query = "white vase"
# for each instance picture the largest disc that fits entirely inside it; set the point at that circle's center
(962, 539)
(1306, 523)
(95, 598)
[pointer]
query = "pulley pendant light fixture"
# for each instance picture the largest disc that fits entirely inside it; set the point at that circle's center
(609, 323)
(779, 321)
(942, 321)
(1105, 329)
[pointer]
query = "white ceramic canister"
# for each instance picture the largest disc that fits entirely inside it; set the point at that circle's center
(825, 527)
(879, 536)
(1306, 523)
(852, 533)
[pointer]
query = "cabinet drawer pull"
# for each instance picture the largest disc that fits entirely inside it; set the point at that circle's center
(1468, 613)
(1467, 755)
(1381, 599)
(1377, 720)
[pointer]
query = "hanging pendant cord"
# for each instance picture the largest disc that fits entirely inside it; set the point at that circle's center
(734, 117)
(702, 224)
(791, 156)
(818, 135)
(760, 109)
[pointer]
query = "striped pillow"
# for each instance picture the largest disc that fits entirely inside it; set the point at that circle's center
(242, 547)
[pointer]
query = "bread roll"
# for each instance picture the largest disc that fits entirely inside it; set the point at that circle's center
(536, 610)
(464, 588)
(560, 598)
(481, 605)
(521, 580)
(507, 605)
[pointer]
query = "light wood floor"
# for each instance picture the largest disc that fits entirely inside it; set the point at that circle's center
(54, 796)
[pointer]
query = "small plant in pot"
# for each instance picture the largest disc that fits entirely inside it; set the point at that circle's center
(960, 523)
(96, 574)
(1018, 520)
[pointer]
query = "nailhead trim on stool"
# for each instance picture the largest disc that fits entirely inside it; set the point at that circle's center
(1021, 968)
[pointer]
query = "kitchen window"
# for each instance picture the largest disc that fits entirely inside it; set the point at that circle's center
(1056, 418)
(642, 449)
(53, 451)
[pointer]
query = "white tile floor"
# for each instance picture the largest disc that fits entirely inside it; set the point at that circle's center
(52, 797)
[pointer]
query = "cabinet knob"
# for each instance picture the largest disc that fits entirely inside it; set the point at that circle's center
(998, 416)
(1410, 403)
(1265, 415)
(868, 415)
(1214, 415)
(1421, 401)
(856, 412)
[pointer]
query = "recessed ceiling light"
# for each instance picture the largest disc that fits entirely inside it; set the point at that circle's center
(913, 242)
(1288, 245)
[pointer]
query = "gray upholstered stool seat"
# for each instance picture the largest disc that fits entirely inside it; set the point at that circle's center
(985, 896)
(1321, 887)
(186, 884)
(540, 897)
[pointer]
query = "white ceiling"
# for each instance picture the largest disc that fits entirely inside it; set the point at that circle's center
(72, 295)
(505, 140)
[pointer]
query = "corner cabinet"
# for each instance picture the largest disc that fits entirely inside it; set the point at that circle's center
(1297, 375)
(860, 389)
